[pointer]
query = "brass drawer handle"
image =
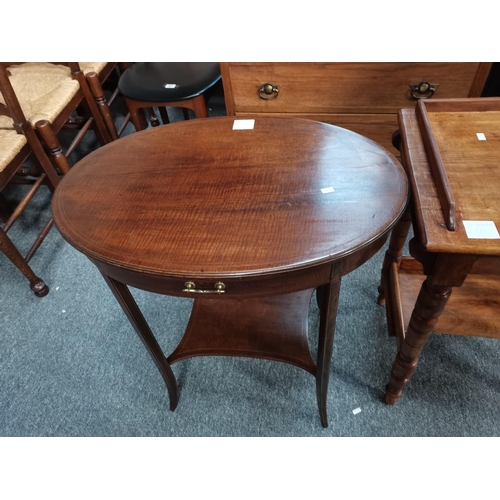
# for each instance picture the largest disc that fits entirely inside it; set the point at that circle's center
(268, 91)
(191, 288)
(423, 90)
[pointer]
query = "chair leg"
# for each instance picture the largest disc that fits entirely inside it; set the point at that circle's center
(142, 117)
(103, 139)
(136, 115)
(51, 141)
(5, 209)
(43, 234)
(200, 107)
(43, 159)
(100, 128)
(37, 285)
(153, 118)
(164, 115)
(96, 88)
(138, 118)
(24, 202)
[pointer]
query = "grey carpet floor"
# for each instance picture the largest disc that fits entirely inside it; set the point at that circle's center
(71, 364)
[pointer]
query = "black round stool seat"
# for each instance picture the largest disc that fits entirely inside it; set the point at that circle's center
(168, 81)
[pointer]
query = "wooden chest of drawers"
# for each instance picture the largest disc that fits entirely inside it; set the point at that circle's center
(363, 97)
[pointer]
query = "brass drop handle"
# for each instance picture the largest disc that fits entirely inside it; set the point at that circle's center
(423, 90)
(190, 287)
(268, 91)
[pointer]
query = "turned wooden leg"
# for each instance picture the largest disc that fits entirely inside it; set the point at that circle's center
(52, 144)
(100, 99)
(444, 271)
(42, 158)
(328, 296)
(430, 303)
(39, 288)
(89, 103)
(394, 252)
(134, 315)
(98, 125)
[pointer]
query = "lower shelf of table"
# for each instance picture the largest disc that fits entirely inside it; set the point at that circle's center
(473, 309)
(274, 327)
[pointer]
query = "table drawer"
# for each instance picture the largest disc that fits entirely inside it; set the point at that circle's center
(246, 286)
(343, 87)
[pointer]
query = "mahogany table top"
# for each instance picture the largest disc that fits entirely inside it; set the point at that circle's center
(199, 199)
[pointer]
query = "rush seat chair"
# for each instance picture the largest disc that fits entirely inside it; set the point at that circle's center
(18, 142)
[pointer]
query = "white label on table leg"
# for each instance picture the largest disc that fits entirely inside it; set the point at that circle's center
(356, 411)
(481, 229)
(481, 137)
(243, 124)
(327, 190)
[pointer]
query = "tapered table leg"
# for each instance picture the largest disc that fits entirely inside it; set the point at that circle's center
(134, 314)
(328, 299)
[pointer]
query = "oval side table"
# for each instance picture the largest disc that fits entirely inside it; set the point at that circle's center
(248, 222)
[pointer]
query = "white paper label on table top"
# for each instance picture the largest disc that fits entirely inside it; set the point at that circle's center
(170, 85)
(481, 136)
(243, 124)
(356, 411)
(327, 190)
(481, 229)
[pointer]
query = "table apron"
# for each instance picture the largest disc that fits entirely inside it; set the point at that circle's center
(245, 286)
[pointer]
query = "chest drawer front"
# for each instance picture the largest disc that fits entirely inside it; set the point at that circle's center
(341, 87)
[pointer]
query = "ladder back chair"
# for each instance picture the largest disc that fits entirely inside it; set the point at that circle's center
(19, 141)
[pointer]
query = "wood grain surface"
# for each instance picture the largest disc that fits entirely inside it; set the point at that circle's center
(198, 199)
(344, 87)
(267, 213)
(451, 283)
(363, 97)
(472, 169)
